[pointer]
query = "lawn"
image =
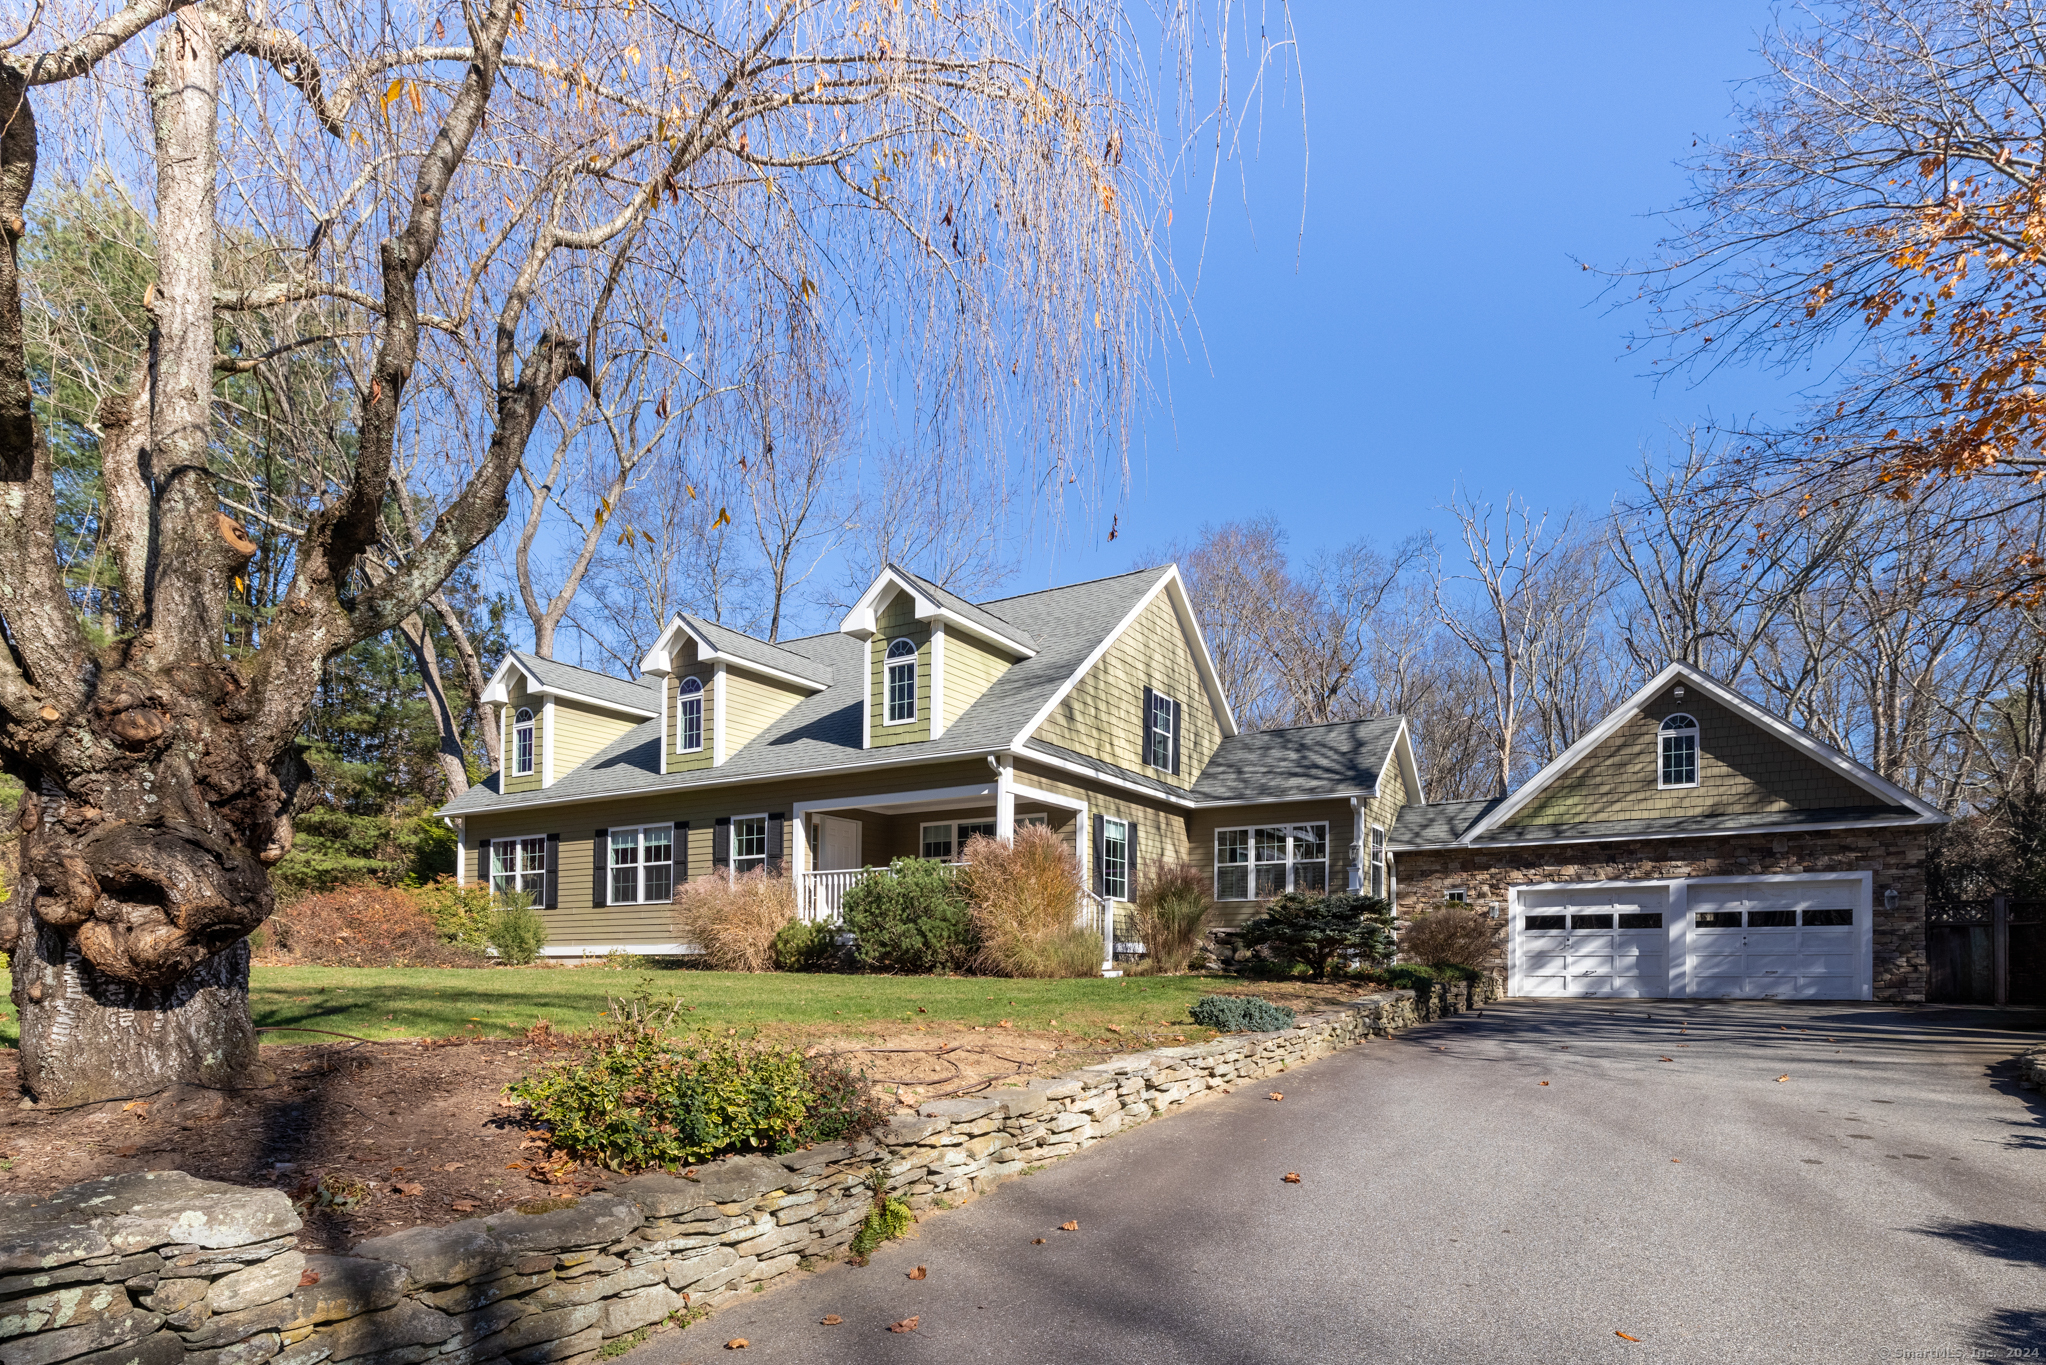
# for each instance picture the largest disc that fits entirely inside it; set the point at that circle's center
(411, 1002)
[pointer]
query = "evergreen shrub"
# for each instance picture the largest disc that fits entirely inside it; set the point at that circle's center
(910, 917)
(1240, 1014)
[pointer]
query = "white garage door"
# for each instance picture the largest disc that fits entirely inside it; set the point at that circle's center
(1792, 940)
(1592, 941)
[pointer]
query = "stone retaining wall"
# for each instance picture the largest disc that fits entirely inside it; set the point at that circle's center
(159, 1268)
(2032, 1068)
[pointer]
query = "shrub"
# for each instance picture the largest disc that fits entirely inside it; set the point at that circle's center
(734, 921)
(1240, 1014)
(888, 1219)
(841, 1104)
(806, 946)
(634, 1096)
(1025, 896)
(364, 925)
(1172, 912)
(516, 930)
(911, 917)
(1314, 930)
(460, 913)
(1452, 934)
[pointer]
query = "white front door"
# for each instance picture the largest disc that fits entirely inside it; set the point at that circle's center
(838, 844)
(1788, 940)
(1591, 940)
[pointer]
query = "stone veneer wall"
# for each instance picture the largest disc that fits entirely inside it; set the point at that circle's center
(160, 1268)
(1896, 855)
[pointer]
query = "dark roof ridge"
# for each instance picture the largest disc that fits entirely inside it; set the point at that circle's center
(527, 654)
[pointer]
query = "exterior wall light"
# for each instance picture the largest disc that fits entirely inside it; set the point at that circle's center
(1890, 898)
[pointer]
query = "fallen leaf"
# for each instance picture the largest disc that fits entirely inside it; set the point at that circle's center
(1006, 1024)
(1665, 1059)
(1277, 1096)
(1676, 1161)
(307, 1277)
(407, 1187)
(463, 1206)
(515, 1165)
(452, 1166)
(921, 1010)
(1544, 1082)
(919, 1273)
(1073, 1226)
(126, 1151)
(1113, 1028)
(737, 1344)
(1781, 1079)
(908, 1324)
(1292, 1177)
(1037, 1241)
(1624, 1337)
(136, 1106)
(831, 1319)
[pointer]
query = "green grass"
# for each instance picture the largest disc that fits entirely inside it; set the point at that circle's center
(413, 1002)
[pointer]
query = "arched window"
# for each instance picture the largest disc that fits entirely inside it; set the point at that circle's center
(1679, 751)
(689, 724)
(522, 742)
(901, 681)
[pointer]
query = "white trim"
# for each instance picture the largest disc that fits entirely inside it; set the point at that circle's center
(1005, 800)
(532, 757)
(662, 746)
(1410, 769)
(1045, 798)
(610, 898)
(1663, 734)
(661, 658)
(859, 621)
(461, 829)
(547, 743)
(1112, 779)
(581, 700)
(595, 950)
(890, 661)
(1877, 822)
(867, 692)
(1215, 863)
(732, 843)
(699, 694)
(930, 798)
(937, 679)
(717, 715)
(1862, 776)
(495, 692)
(1202, 663)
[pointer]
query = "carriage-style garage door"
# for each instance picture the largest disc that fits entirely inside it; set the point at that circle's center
(1792, 938)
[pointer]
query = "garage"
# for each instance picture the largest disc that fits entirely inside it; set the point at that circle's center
(1786, 937)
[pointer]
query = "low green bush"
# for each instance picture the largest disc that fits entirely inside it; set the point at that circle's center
(636, 1096)
(1410, 977)
(461, 914)
(806, 946)
(1240, 1014)
(911, 917)
(516, 930)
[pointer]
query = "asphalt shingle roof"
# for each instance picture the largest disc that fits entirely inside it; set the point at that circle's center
(741, 646)
(639, 694)
(1442, 825)
(1300, 763)
(822, 731)
(1439, 824)
(980, 616)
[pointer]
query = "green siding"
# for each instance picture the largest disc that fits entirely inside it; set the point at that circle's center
(1103, 714)
(529, 782)
(971, 668)
(581, 732)
(897, 621)
(1742, 770)
(705, 674)
(752, 704)
(1335, 813)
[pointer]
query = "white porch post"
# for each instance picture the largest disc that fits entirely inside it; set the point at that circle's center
(1005, 800)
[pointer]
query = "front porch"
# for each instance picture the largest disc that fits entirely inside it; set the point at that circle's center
(836, 843)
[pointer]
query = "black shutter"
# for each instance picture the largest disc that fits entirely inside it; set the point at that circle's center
(1145, 728)
(721, 844)
(681, 854)
(1176, 712)
(1097, 853)
(481, 847)
(1129, 859)
(553, 874)
(774, 836)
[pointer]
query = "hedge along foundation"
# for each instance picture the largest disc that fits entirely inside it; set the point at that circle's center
(160, 1268)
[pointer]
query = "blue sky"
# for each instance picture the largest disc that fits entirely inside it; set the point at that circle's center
(1433, 326)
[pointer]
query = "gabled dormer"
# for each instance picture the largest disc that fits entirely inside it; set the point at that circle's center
(930, 655)
(553, 716)
(721, 689)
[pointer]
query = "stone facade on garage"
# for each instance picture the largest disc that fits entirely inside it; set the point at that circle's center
(1894, 854)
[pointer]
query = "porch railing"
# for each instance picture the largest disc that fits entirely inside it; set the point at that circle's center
(821, 895)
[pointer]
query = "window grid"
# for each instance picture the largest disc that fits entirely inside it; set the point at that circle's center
(642, 864)
(1259, 863)
(1115, 860)
(901, 682)
(518, 865)
(749, 844)
(522, 742)
(1160, 732)
(1377, 861)
(1679, 752)
(947, 841)
(689, 729)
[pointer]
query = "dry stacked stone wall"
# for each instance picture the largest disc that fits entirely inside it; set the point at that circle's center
(160, 1268)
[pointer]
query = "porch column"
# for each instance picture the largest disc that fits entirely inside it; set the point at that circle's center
(1005, 800)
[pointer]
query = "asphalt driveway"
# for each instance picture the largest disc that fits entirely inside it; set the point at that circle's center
(1886, 1202)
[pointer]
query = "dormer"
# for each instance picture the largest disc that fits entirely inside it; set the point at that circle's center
(930, 655)
(721, 689)
(552, 717)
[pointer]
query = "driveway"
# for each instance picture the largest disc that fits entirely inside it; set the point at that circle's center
(1886, 1202)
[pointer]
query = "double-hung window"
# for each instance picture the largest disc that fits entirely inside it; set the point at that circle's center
(1679, 751)
(901, 682)
(1158, 731)
(948, 841)
(518, 865)
(749, 844)
(1115, 859)
(1259, 863)
(1378, 877)
(522, 742)
(642, 864)
(689, 717)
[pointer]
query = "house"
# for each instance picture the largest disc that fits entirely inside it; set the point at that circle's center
(921, 721)
(1691, 845)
